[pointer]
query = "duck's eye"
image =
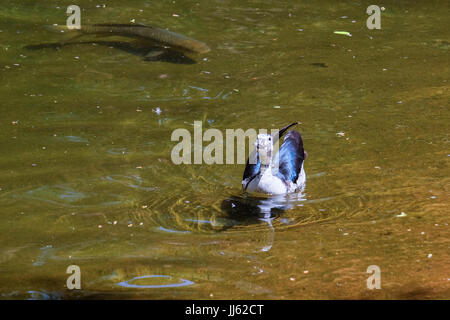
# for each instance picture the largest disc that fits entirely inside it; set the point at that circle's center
(270, 138)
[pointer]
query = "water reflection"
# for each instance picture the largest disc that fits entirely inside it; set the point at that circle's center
(248, 209)
(251, 209)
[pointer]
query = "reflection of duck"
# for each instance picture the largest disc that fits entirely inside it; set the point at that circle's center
(279, 175)
(249, 209)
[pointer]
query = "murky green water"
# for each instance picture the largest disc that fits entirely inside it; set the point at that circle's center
(86, 176)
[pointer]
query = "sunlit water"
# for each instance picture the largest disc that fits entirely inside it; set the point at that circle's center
(86, 176)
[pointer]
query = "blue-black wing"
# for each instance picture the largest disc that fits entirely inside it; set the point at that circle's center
(282, 131)
(252, 169)
(291, 156)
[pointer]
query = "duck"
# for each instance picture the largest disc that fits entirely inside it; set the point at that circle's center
(283, 173)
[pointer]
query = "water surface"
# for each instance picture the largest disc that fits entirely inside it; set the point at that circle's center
(86, 176)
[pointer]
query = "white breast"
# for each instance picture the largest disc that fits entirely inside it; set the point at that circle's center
(270, 184)
(267, 183)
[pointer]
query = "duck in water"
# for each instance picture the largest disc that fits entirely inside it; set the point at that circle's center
(281, 174)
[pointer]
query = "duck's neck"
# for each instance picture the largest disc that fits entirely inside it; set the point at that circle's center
(266, 161)
(265, 170)
(266, 167)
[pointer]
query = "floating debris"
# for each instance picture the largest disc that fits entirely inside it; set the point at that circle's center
(345, 33)
(319, 64)
(401, 215)
(157, 110)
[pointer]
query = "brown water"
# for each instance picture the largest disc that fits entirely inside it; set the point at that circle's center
(87, 179)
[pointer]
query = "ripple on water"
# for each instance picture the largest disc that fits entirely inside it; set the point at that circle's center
(46, 251)
(181, 283)
(118, 151)
(219, 212)
(130, 181)
(64, 195)
(171, 230)
(192, 93)
(182, 214)
(40, 295)
(76, 139)
(82, 250)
